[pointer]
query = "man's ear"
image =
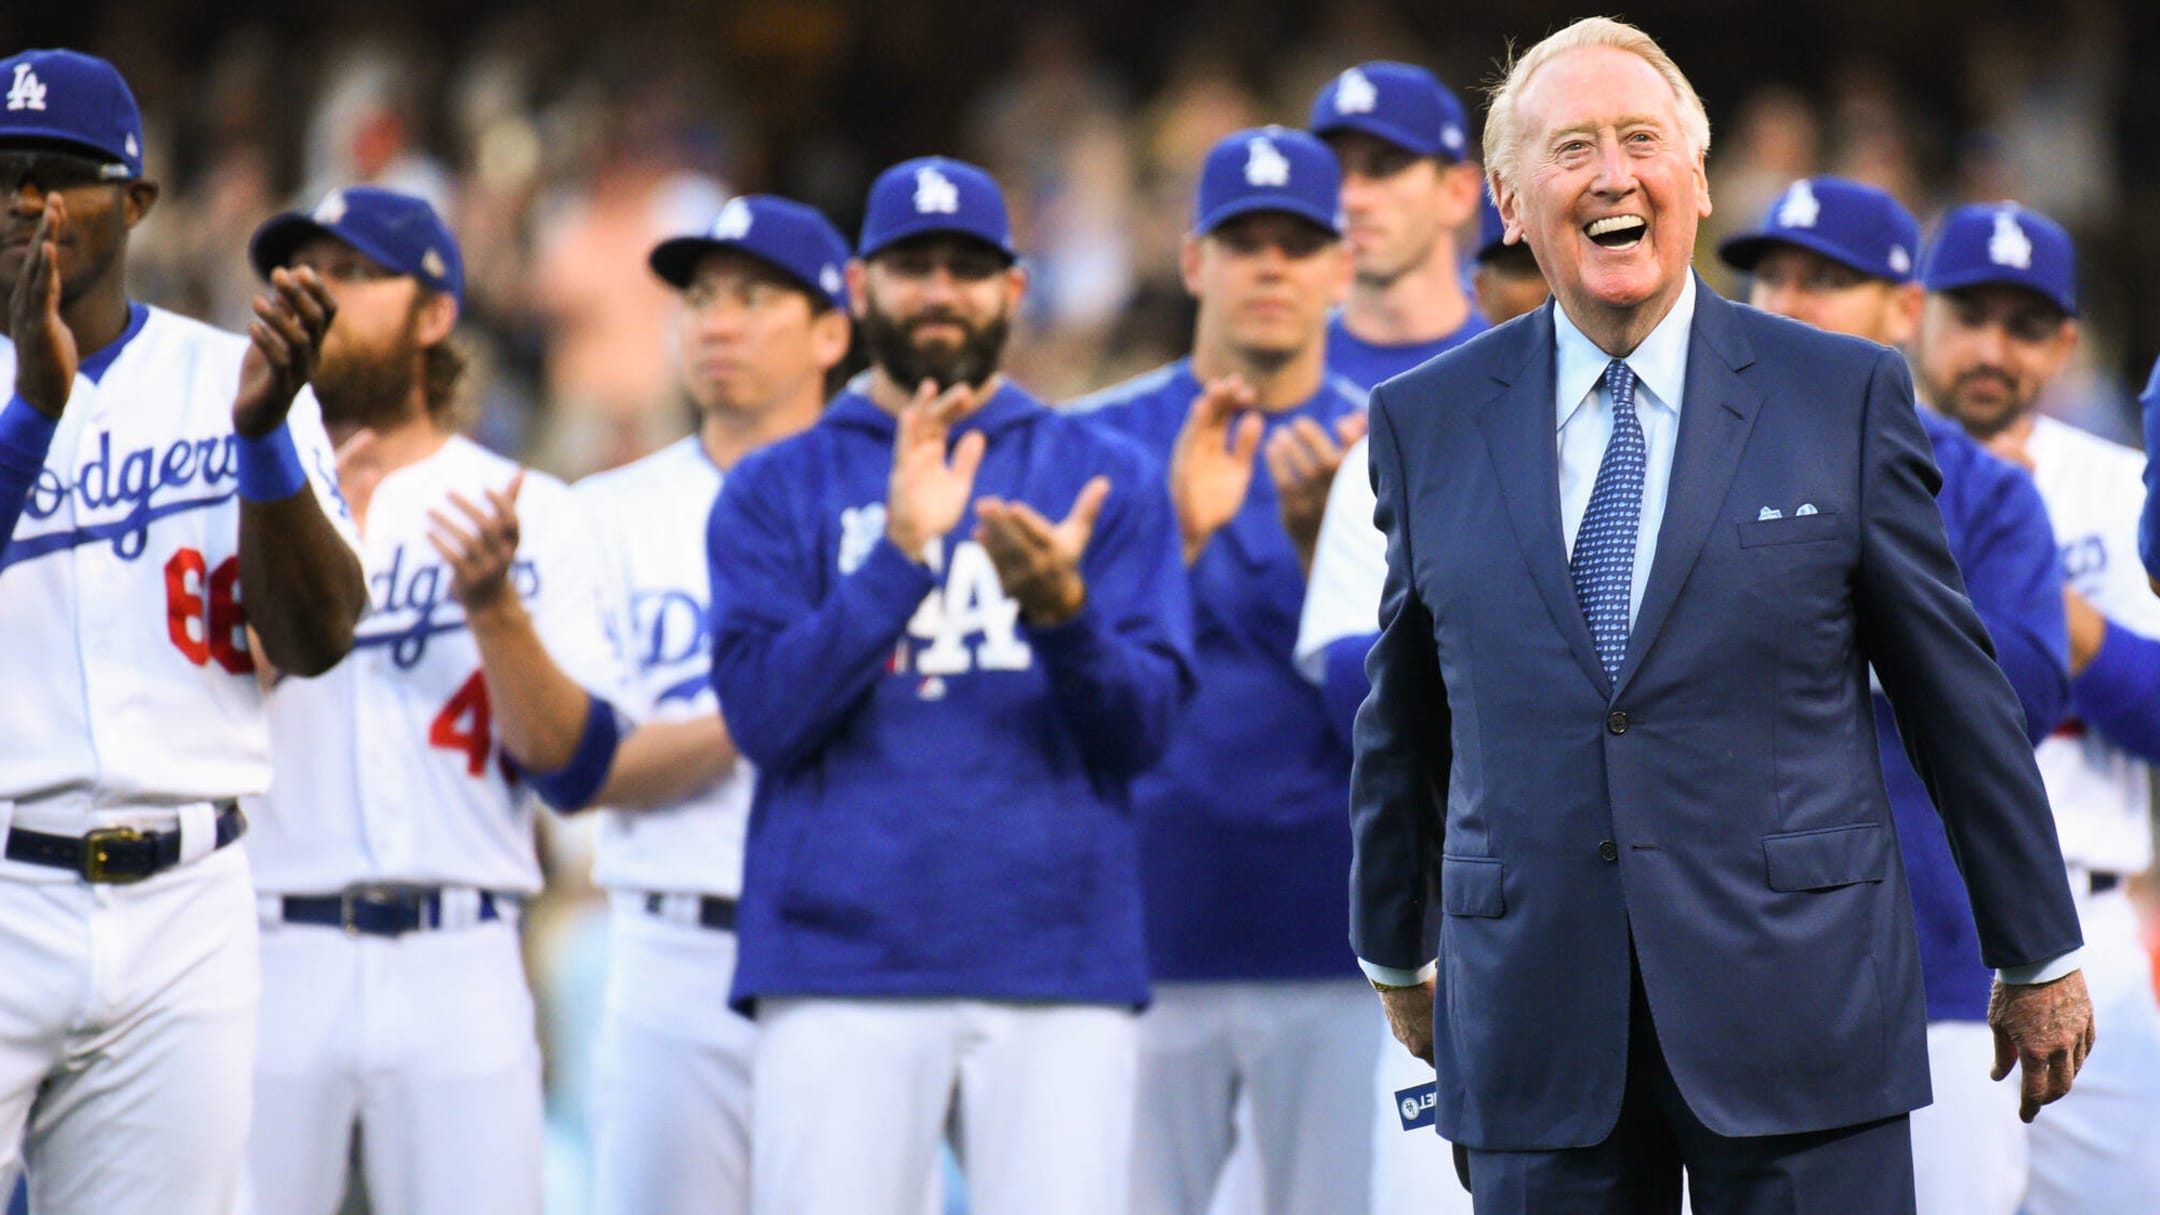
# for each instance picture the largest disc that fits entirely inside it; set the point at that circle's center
(1189, 264)
(137, 199)
(830, 333)
(858, 287)
(438, 316)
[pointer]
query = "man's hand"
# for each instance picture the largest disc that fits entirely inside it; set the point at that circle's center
(2046, 1030)
(2087, 628)
(927, 494)
(480, 559)
(1302, 458)
(1212, 464)
(1409, 1017)
(285, 343)
(358, 473)
(45, 353)
(1037, 563)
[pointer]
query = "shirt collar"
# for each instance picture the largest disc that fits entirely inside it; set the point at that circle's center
(1659, 363)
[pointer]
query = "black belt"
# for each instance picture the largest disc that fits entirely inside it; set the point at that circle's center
(380, 911)
(116, 855)
(713, 911)
(2101, 883)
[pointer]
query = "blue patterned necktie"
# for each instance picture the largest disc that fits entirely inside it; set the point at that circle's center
(1603, 565)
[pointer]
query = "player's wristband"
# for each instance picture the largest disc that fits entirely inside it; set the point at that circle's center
(573, 786)
(26, 434)
(270, 467)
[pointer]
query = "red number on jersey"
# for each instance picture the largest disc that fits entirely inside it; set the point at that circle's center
(202, 632)
(464, 724)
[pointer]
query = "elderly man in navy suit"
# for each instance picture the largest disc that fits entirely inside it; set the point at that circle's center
(1643, 547)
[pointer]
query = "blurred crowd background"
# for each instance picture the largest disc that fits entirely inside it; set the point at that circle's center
(564, 140)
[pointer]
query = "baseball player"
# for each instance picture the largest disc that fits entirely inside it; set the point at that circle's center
(947, 696)
(1256, 991)
(168, 522)
(2000, 320)
(1504, 279)
(396, 846)
(1408, 188)
(764, 322)
(1840, 255)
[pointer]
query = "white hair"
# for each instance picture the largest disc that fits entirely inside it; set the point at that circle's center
(1502, 140)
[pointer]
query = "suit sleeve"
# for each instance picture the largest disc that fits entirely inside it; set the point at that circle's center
(789, 664)
(1122, 668)
(1955, 709)
(2014, 576)
(1398, 780)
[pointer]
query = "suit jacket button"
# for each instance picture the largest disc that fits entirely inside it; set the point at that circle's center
(1616, 722)
(1608, 851)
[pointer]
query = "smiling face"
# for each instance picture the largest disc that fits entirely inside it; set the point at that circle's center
(1609, 190)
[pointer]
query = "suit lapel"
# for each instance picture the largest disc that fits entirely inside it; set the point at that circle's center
(1716, 416)
(1520, 435)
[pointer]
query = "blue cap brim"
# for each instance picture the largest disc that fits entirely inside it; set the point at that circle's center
(1984, 276)
(1743, 252)
(282, 235)
(1279, 206)
(935, 225)
(1408, 141)
(72, 140)
(675, 261)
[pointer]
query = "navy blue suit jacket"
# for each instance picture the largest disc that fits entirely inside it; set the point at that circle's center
(1718, 807)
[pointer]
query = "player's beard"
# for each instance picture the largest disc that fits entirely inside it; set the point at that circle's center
(369, 388)
(972, 361)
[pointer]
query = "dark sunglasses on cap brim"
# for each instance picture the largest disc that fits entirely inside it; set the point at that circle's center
(55, 170)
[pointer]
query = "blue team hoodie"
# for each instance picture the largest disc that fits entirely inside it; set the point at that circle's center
(942, 805)
(1244, 837)
(2004, 544)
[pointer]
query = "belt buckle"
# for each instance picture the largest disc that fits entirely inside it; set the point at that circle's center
(96, 857)
(354, 897)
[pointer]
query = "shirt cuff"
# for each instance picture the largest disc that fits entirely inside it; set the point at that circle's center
(1396, 976)
(2041, 972)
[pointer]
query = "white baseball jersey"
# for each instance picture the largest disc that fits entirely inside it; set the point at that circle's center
(122, 625)
(388, 766)
(650, 517)
(1349, 569)
(2093, 489)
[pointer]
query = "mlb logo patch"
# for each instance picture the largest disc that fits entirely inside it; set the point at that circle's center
(1416, 1106)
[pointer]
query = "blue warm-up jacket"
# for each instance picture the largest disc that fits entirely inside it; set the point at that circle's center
(943, 803)
(1244, 843)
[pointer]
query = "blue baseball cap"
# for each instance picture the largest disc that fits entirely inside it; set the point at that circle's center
(1403, 104)
(73, 98)
(1269, 169)
(1984, 243)
(789, 236)
(1491, 229)
(1854, 225)
(934, 194)
(400, 232)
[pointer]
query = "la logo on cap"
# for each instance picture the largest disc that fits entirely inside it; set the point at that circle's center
(935, 194)
(734, 221)
(331, 209)
(1800, 209)
(27, 92)
(2008, 245)
(1264, 166)
(1355, 94)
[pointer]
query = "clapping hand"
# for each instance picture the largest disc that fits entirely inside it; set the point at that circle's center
(45, 353)
(1302, 459)
(480, 551)
(285, 343)
(1038, 562)
(928, 492)
(1211, 466)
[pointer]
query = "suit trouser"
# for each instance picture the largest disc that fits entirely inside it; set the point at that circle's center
(851, 1096)
(1637, 1169)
